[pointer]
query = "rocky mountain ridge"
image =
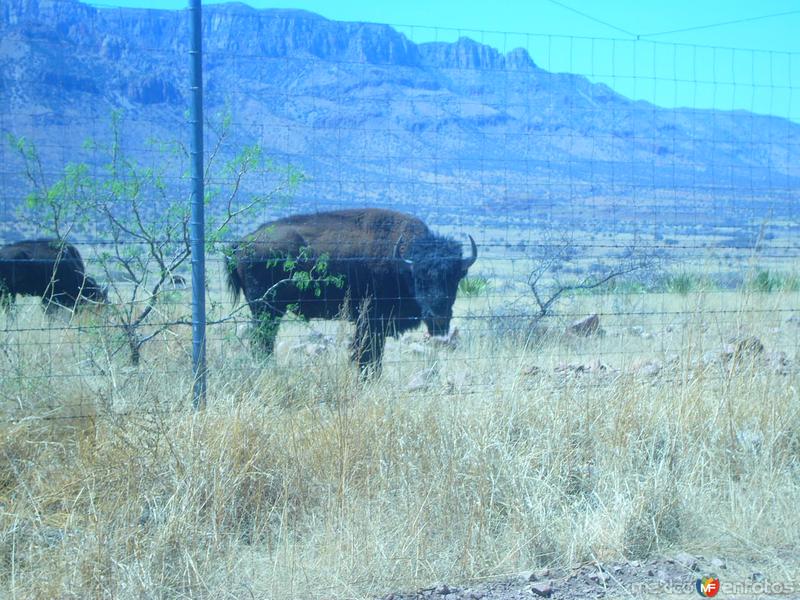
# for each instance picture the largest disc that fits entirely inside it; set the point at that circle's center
(373, 118)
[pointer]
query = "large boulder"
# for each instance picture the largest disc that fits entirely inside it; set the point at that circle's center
(743, 348)
(585, 327)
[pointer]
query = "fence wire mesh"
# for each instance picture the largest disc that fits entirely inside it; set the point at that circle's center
(652, 185)
(618, 377)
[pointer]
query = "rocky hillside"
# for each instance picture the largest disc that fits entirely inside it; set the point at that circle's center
(446, 129)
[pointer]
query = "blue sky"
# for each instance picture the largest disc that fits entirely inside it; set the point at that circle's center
(749, 63)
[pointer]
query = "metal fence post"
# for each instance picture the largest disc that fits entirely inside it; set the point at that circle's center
(197, 222)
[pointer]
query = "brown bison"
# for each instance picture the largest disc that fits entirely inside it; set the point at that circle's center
(50, 269)
(385, 268)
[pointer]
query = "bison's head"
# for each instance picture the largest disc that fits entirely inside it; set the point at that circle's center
(92, 292)
(436, 267)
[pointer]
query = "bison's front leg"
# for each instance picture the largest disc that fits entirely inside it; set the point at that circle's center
(265, 329)
(368, 344)
(266, 317)
(52, 306)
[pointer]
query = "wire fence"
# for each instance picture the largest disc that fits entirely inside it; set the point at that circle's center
(669, 172)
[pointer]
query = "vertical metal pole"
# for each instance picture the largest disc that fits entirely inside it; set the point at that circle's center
(197, 222)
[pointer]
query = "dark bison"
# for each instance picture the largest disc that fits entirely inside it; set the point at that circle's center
(385, 268)
(178, 282)
(48, 268)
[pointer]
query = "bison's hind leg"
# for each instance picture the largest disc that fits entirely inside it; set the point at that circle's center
(368, 344)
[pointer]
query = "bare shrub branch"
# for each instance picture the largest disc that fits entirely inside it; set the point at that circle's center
(548, 286)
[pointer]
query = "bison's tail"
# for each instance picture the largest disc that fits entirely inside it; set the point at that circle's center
(233, 278)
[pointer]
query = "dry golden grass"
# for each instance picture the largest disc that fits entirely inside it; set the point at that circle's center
(298, 481)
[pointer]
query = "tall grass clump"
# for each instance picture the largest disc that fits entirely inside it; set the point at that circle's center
(473, 286)
(770, 281)
(685, 283)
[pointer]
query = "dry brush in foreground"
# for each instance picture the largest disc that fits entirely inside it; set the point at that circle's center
(301, 482)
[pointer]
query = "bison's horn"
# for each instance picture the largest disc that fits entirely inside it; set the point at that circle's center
(468, 262)
(396, 253)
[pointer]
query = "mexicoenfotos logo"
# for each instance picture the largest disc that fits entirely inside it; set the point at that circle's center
(707, 586)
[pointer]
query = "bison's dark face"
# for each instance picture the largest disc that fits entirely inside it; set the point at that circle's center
(92, 292)
(436, 268)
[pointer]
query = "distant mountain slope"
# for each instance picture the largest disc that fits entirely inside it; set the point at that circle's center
(372, 118)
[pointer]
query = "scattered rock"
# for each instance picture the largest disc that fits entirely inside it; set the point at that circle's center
(606, 368)
(416, 348)
(316, 345)
(312, 349)
(321, 338)
(709, 358)
(745, 347)
(450, 340)
(585, 327)
(718, 563)
(779, 362)
(545, 590)
(646, 368)
(778, 358)
(532, 371)
(596, 366)
(600, 577)
(593, 366)
(687, 560)
(595, 580)
(420, 380)
(457, 381)
(652, 368)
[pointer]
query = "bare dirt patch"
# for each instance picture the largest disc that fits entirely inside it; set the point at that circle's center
(674, 577)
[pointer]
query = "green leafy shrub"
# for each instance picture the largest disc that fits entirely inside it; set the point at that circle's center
(473, 286)
(770, 281)
(684, 283)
